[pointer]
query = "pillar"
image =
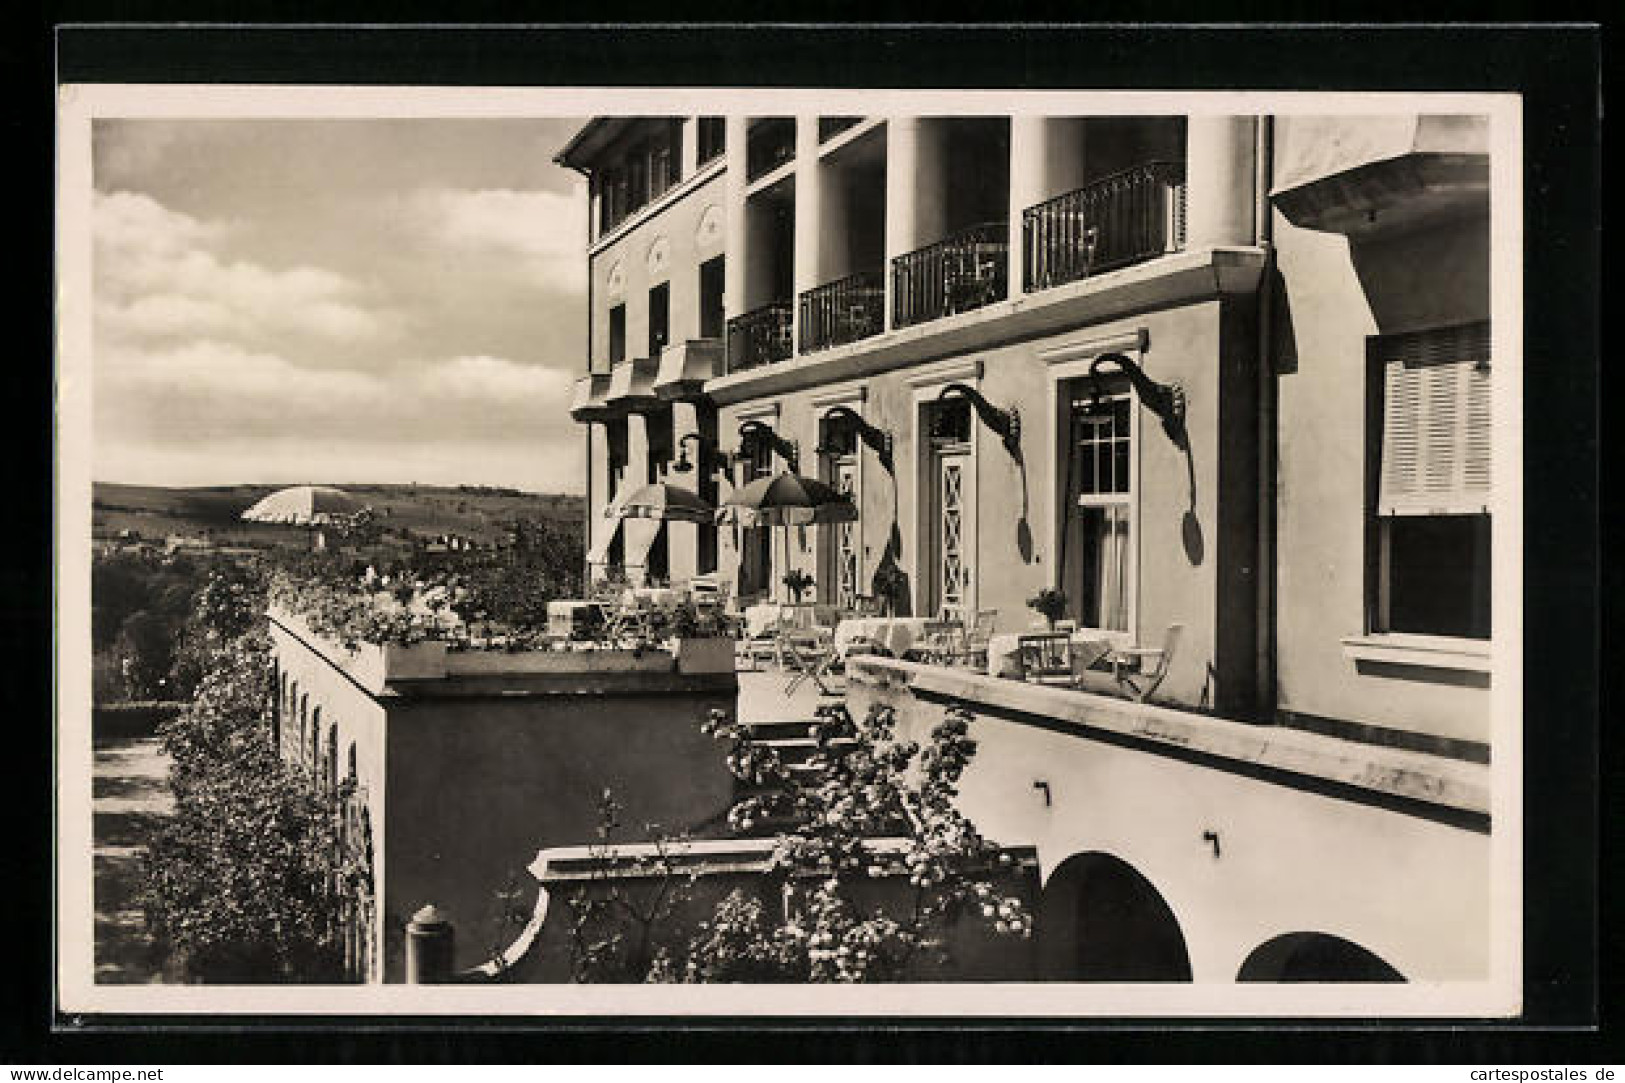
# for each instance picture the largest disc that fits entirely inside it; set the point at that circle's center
(597, 486)
(915, 190)
(682, 539)
(638, 531)
(736, 236)
(806, 268)
(1046, 160)
(1219, 178)
(430, 941)
(690, 151)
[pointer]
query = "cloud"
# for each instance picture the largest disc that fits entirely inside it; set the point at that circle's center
(158, 276)
(548, 230)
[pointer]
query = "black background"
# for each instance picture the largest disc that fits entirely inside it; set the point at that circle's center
(1569, 954)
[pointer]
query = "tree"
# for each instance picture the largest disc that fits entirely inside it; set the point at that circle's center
(876, 865)
(247, 879)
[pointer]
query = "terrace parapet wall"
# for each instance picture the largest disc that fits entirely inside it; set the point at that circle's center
(436, 667)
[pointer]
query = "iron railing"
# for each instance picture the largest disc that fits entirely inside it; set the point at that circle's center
(769, 145)
(760, 337)
(961, 272)
(843, 311)
(1126, 218)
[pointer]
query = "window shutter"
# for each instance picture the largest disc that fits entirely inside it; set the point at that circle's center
(1436, 421)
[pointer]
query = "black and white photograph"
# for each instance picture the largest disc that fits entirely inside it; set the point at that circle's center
(652, 551)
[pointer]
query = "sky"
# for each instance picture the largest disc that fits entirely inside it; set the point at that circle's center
(337, 301)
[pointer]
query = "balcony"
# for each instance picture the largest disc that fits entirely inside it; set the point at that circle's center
(960, 273)
(1122, 219)
(770, 144)
(843, 311)
(760, 337)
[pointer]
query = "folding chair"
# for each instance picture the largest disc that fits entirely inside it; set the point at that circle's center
(811, 654)
(1129, 664)
(973, 643)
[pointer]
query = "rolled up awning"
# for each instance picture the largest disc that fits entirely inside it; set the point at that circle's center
(640, 538)
(599, 553)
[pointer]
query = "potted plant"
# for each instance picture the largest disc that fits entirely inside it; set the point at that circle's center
(702, 646)
(798, 582)
(1050, 603)
(890, 586)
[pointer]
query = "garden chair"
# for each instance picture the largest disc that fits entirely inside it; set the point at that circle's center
(973, 643)
(1141, 669)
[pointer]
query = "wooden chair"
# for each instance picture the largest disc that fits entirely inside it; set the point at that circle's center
(1141, 669)
(973, 643)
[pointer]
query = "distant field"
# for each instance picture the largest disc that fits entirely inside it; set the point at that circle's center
(472, 512)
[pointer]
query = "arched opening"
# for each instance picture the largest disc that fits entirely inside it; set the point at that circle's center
(1319, 957)
(1100, 920)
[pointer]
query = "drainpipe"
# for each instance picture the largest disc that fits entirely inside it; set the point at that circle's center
(1263, 226)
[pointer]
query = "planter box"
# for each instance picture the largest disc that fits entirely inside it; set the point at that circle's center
(714, 654)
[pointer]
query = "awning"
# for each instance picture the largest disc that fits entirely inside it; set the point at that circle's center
(599, 553)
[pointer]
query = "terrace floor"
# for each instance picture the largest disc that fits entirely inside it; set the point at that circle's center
(762, 697)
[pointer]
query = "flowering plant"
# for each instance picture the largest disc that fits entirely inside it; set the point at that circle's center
(798, 581)
(1050, 603)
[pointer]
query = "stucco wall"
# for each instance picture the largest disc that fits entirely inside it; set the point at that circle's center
(359, 720)
(677, 228)
(1335, 295)
(1413, 891)
(477, 786)
(1207, 350)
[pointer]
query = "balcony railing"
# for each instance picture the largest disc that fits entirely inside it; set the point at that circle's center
(1125, 218)
(962, 272)
(769, 145)
(843, 311)
(760, 337)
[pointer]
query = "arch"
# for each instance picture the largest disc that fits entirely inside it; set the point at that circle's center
(315, 763)
(304, 727)
(1310, 956)
(1100, 920)
(350, 771)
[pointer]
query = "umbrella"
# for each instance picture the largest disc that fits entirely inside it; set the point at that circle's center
(787, 500)
(305, 505)
(664, 501)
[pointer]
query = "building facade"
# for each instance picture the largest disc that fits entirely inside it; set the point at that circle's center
(1224, 381)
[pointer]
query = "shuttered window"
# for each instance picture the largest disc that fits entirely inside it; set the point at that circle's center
(1435, 421)
(1432, 528)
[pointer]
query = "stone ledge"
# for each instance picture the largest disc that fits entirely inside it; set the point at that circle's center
(1413, 776)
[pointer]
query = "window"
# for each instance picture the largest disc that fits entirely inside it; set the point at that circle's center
(614, 202)
(659, 318)
(711, 133)
(1432, 521)
(711, 309)
(1097, 539)
(617, 334)
(615, 438)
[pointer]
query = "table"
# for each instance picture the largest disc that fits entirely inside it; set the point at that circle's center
(651, 597)
(896, 634)
(1004, 651)
(568, 616)
(763, 618)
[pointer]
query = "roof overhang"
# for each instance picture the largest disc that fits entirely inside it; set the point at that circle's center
(592, 140)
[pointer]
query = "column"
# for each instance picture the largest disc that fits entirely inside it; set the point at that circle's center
(1219, 159)
(1046, 160)
(597, 486)
(735, 238)
(638, 531)
(806, 269)
(1029, 154)
(689, 155)
(682, 539)
(902, 166)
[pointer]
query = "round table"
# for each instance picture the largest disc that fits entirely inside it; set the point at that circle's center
(896, 635)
